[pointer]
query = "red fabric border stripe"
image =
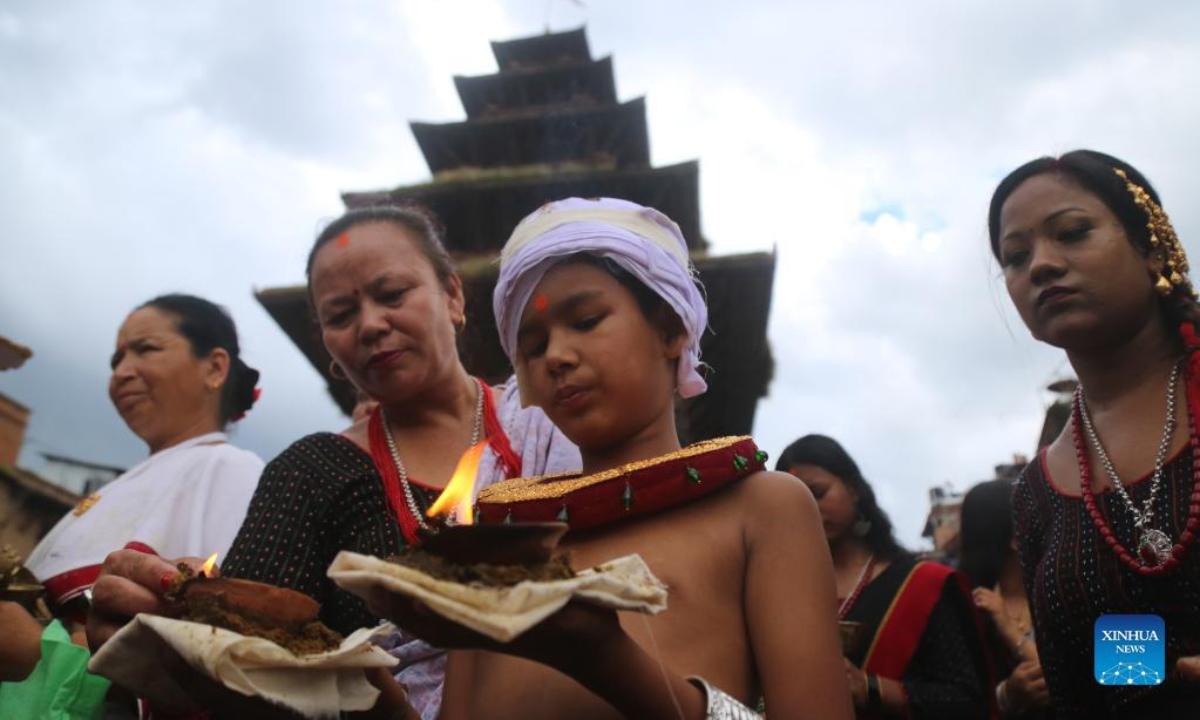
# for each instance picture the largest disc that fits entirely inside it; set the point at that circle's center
(495, 434)
(390, 475)
(65, 586)
(902, 627)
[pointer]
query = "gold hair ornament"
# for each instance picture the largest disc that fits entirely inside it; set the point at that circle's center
(1162, 239)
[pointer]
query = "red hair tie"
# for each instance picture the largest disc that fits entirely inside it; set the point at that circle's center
(254, 399)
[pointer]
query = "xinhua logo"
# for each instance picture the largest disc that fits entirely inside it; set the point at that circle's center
(1130, 650)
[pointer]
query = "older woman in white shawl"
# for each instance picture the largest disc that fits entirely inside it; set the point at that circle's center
(177, 381)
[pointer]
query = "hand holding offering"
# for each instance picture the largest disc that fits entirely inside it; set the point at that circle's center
(256, 640)
(500, 600)
(130, 582)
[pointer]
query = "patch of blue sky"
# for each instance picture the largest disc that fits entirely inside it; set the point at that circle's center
(927, 221)
(871, 214)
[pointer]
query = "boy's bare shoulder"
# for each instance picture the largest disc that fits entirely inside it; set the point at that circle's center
(772, 491)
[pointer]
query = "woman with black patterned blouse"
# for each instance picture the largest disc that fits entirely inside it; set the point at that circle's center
(1105, 516)
(389, 305)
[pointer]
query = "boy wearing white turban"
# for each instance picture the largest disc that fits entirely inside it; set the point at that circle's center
(598, 309)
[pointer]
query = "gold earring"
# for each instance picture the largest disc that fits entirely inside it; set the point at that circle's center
(1163, 285)
(461, 325)
(334, 370)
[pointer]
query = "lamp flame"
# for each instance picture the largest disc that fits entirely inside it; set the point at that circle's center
(459, 492)
(207, 569)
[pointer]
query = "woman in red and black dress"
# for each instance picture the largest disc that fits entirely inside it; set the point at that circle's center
(1105, 516)
(921, 654)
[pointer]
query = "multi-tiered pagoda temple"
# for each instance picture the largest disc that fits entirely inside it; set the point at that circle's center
(549, 125)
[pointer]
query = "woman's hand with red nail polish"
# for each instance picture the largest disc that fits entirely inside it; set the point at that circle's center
(130, 582)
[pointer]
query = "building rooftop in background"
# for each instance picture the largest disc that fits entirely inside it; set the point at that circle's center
(549, 125)
(78, 476)
(12, 354)
(1058, 414)
(29, 504)
(942, 525)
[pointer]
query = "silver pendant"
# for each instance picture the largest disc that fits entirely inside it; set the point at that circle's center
(1155, 548)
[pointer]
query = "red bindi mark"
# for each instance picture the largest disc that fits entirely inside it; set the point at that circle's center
(343, 240)
(540, 302)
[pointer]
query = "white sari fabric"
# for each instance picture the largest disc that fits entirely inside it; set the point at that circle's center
(185, 501)
(542, 447)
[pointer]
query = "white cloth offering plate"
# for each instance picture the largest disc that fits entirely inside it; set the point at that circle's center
(503, 613)
(317, 686)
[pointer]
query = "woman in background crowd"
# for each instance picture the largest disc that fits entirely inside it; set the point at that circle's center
(177, 381)
(1105, 517)
(920, 653)
(390, 306)
(989, 560)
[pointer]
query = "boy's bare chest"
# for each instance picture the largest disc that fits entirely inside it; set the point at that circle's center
(696, 551)
(699, 556)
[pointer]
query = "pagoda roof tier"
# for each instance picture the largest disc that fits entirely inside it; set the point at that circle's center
(480, 211)
(582, 83)
(542, 50)
(532, 136)
(738, 288)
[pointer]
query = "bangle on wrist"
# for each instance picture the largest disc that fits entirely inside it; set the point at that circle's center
(874, 693)
(1003, 702)
(721, 706)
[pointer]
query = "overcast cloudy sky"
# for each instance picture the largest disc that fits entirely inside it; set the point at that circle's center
(198, 148)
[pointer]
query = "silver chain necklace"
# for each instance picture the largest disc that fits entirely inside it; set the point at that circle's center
(1150, 540)
(476, 432)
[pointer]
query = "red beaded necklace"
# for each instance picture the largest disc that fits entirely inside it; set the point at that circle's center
(863, 581)
(1089, 499)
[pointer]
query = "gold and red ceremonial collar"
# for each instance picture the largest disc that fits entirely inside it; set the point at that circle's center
(638, 488)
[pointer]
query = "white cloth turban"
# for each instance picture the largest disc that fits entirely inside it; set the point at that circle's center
(641, 240)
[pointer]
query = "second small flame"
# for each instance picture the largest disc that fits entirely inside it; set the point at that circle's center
(459, 494)
(208, 568)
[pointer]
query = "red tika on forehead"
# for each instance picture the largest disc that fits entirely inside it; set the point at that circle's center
(343, 240)
(540, 303)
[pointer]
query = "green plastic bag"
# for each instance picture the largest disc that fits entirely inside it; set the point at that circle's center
(60, 687)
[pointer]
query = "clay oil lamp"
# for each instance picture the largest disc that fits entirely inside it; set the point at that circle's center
(464, 542)
(208, 594)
